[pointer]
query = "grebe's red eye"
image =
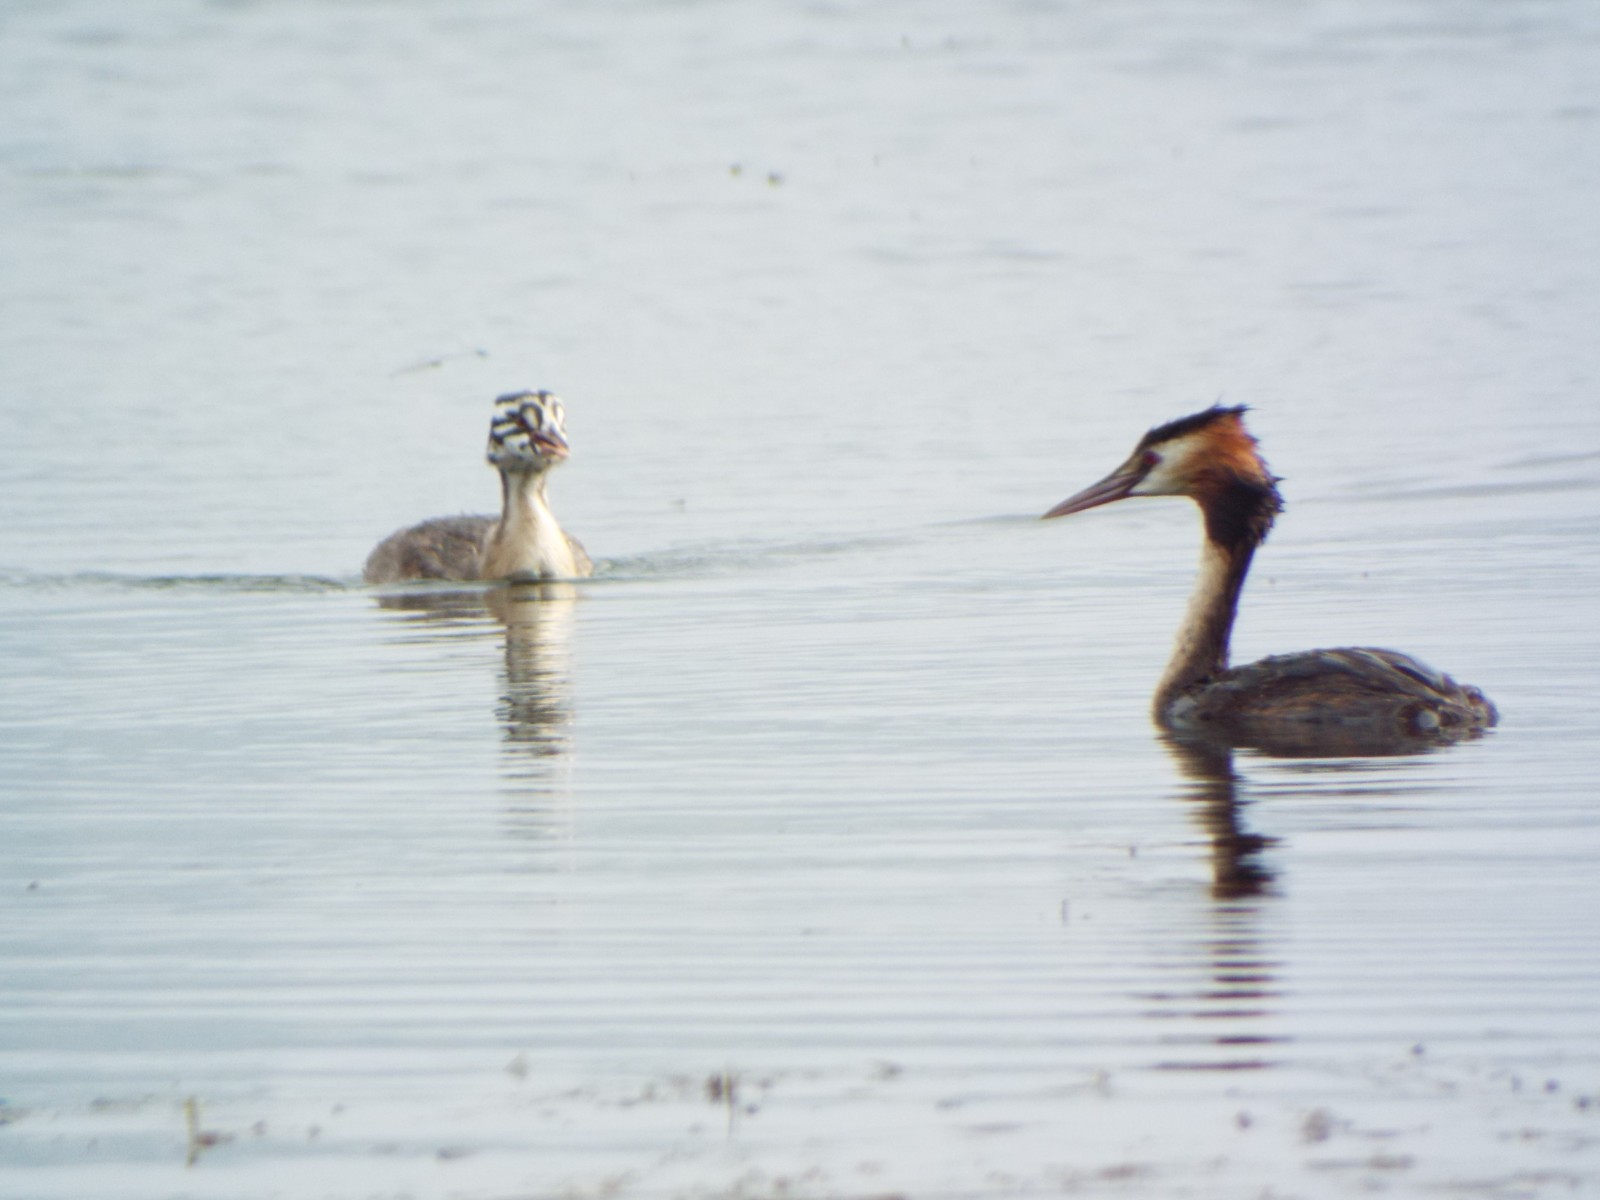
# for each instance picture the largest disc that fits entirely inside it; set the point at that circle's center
(1149, 459)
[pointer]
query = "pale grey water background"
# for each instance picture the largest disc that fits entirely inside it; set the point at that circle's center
(838, 784)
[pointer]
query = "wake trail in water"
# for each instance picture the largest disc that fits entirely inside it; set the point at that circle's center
(695, 560)
(112, 580)
(729, 556)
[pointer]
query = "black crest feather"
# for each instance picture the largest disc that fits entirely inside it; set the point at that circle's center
(1187, 425)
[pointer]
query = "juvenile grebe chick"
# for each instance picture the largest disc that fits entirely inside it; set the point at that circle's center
(1289, 698)
(527, 437)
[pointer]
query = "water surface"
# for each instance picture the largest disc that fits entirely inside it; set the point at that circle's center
(821, 845)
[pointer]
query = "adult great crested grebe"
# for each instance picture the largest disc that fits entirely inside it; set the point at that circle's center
(527, 437)
(1340, 694)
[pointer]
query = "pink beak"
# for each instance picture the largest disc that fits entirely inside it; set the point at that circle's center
(1116, 486)
(552, 444)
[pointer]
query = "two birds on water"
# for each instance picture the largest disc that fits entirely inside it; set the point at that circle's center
(1355, 696)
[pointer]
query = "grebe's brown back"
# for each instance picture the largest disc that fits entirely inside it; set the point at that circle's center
(527, 437)
(1344, 696)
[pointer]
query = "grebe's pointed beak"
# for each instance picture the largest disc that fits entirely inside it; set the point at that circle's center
(1116, 486)
(550, 443)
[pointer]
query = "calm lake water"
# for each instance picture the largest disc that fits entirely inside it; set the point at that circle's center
(821, 845)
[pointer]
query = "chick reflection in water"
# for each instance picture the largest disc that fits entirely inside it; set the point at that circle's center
(535, 706)
(534, 709)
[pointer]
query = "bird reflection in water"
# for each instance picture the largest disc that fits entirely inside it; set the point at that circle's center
(534, 708)
(1235, 1006)
(1240, 962)
(1213, 787)
(535, 695)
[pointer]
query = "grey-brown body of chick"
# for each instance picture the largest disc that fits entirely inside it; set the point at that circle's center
(526, 439)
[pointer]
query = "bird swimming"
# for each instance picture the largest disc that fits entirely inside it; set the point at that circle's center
(527, 437)
(1350, 695)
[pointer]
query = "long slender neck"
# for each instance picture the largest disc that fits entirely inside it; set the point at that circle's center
(1237, 517)
(526, 541)
(1202, 645)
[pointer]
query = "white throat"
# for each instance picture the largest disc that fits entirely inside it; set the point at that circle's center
(527, 542)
